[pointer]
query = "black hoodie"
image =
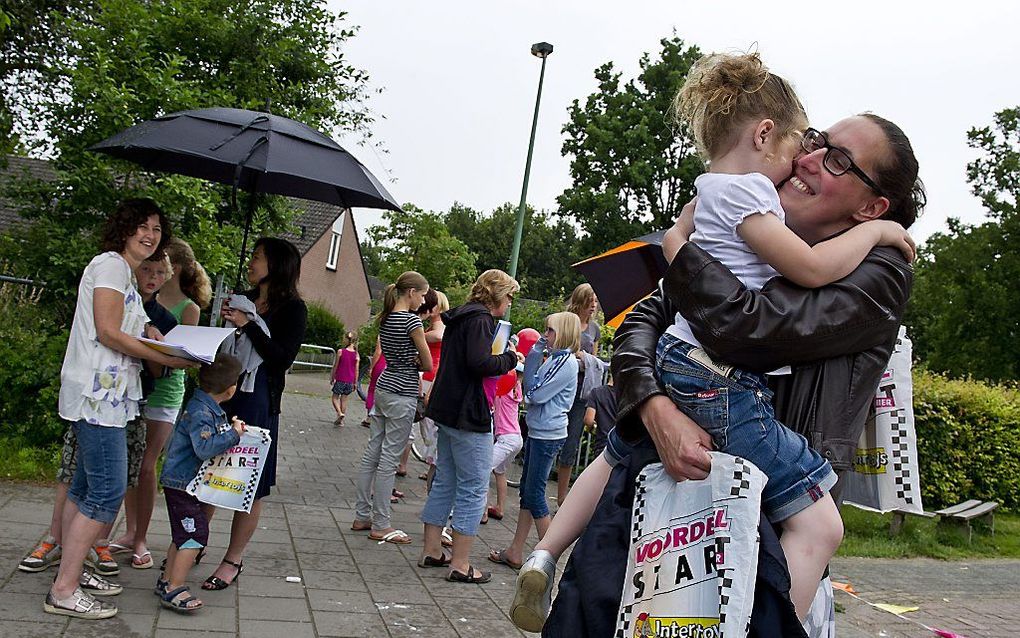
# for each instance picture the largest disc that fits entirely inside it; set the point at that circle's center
(458, 400)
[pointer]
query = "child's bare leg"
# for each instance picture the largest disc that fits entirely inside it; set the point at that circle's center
(810, 539)
(178, 564)
(500, 493)
(337, 405)
(575, 512)
(343, 404)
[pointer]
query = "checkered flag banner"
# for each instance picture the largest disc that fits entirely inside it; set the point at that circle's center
(885, 474)
(694, 553)
(230, 480)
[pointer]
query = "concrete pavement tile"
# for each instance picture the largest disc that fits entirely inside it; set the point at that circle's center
(500, 627)
(23, 607)
(457, 590)
(276, 629)
(267, 608)
(36, 584)
(259, 550)
(20, 629)
(344, 625)
(395, 572)
(123, 624)
(470, 608)
(388, 593)
(275, 586)
(268, 567)
(340, 581)
(209, 619)
(184, 633)
(326, 563)
(396, 614)
(327, 546)
(327, 531)
(414, 631)
(345, 601)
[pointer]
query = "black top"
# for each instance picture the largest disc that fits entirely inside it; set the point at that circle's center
(458, 399)
(164, 322)
(286, 323)
(603, 400)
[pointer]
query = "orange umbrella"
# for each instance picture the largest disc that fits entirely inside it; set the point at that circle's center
(623, 276)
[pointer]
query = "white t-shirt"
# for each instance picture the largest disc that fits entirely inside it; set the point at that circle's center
(98, 384)
(724, 202)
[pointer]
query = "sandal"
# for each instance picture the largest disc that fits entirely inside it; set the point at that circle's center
(499, 556)
(117, 548)
(473, 576)
(397, 537)
(495, 513)
(172, 600)
(215, 583)
(142, 561)
(431, 561)
(447, 539)
(79, 604)
(361, 526)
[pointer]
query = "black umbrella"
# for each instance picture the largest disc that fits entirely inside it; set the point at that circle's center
(625, 275)
(256, 152)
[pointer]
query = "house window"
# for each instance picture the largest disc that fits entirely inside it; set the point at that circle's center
(334, 242)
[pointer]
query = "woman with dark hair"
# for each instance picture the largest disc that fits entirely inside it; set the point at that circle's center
(274, 270)
(100, 389)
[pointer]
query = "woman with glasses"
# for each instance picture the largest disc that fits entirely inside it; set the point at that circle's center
(460, 404)
(750, 126)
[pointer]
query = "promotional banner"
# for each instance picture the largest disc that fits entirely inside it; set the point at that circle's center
(885, 474)
(230, 479)
(694, 553)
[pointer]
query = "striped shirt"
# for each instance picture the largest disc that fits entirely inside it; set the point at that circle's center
(401, 373)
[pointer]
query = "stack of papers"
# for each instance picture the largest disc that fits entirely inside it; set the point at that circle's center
(195, 343)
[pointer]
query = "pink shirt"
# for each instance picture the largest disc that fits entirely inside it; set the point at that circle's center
(346, 367)
(505, 412)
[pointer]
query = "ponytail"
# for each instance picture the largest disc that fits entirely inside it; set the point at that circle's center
(191, 276)
(389, 301)
(409, 280)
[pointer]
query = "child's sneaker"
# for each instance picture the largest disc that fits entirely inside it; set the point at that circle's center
(101, 560)
(42, 557)
(533, 594)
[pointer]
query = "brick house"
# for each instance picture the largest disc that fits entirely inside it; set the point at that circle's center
(332, 271)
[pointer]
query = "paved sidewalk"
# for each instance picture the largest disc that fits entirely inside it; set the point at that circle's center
(354, 587)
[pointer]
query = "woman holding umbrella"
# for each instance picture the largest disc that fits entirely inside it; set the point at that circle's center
(273, 271)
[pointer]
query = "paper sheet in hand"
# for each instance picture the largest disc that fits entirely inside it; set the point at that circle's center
(501, 337)
(195, 343)
(231, 479)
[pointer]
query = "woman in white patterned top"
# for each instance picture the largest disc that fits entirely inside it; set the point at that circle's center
(402, 340)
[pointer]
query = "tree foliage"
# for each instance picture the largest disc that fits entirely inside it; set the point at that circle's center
(414, 239)
(632, 166)
(120, 62)
(965, 313)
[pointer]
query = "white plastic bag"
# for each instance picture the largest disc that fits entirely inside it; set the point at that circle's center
(694, 553)
(886, 475)
(230, 479)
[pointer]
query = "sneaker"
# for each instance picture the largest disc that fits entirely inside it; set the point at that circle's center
(101, 560)
(533, 592)
(42, 557)
(96, 585)
(79, 605)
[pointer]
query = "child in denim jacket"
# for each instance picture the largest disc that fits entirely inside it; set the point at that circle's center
(201, 433)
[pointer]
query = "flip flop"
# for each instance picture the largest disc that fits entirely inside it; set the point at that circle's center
(447, 539)
(499, 556)
(142, 561)
(117, 548)
(397, 537)
(495, 513)
(472, 576)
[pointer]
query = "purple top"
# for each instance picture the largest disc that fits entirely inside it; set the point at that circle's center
(346, 369)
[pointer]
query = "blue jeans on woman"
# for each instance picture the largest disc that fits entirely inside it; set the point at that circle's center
(461, 483)
(539, 455)
(100, 479)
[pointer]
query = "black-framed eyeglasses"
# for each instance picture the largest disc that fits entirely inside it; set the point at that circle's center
(837, 161)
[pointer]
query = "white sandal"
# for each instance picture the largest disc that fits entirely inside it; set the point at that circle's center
(397, 537)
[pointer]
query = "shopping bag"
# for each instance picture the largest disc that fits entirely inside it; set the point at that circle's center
(886, 475)
(694, 552)
(230, 479)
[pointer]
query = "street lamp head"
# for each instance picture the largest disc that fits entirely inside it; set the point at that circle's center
(541, 49)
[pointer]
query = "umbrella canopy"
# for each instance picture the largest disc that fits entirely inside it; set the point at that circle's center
(625, 275)
(253, 151)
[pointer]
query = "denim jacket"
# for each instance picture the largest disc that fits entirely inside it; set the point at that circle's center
(201, 433)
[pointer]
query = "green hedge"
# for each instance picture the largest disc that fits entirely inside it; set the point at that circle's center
(968, 438)
(324, 328)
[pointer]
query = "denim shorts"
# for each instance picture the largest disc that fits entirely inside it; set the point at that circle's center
(736, 410)
(100, 478)
(539, 456)
(136, 431)
(616, 448)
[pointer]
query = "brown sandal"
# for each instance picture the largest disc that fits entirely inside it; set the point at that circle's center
(472, 576)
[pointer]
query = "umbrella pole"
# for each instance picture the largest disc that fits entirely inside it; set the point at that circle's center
(244, 240)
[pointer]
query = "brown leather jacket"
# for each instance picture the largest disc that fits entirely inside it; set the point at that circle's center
(838, 339)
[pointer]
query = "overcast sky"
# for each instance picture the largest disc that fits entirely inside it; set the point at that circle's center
(459, 82)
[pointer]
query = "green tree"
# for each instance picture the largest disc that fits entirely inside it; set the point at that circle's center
(965, 313)
(124, 61)
(413, 239)
(548, 247)
(632, 166)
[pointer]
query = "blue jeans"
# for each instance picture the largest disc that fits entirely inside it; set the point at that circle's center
(539, 456)
(575, 427)
(461, 483)
(100, 479)
(735, 408)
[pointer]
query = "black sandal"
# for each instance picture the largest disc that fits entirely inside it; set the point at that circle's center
(473, 576)
(215, 583)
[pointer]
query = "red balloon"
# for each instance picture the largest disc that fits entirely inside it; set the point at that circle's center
(525, 339)
(506, 383)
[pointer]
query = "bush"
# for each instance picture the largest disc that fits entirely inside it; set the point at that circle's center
(968, 438)
(32, 352)
(324, 328)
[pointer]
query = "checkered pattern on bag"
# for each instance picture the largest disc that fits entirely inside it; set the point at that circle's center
(741, 474)
(900, 457)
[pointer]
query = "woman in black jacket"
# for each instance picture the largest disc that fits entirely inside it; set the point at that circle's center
(274, 270)
(460, 404)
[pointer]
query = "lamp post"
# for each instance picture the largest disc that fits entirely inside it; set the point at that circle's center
(539, 50)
